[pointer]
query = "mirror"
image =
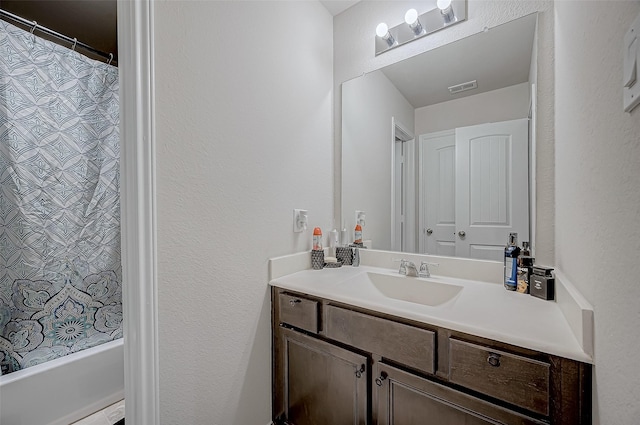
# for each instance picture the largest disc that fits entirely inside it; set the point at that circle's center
(436, 148)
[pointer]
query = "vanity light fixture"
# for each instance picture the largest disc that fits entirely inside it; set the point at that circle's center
(447, 13)
(382, 31)
(411, 18)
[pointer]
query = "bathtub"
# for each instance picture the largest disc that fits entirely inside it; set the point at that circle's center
(64, 390)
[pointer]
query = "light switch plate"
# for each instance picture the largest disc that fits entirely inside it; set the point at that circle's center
(631, 80)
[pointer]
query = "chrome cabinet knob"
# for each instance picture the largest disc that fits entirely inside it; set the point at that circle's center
(381, 378)
(462, 233)
(294, 302)
(429, 231)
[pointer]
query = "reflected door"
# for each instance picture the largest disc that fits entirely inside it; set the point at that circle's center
(492, 187)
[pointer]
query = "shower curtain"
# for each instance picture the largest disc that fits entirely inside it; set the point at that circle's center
(60, 272)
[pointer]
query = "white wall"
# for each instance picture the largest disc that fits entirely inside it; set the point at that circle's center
(354, 32)
(244, 136)
(598, 194)
(369, 104)
(504, 104)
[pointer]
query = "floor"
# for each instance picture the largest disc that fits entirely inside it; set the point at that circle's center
(110, 415)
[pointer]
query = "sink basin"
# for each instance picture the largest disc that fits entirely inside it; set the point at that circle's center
(414, 290)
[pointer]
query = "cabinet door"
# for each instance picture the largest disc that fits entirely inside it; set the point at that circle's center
(401, 398)
(323, 384)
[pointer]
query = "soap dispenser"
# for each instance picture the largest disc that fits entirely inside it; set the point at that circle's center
(511, 253)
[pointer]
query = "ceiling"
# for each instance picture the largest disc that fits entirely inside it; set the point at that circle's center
(336, 7)
(497, 58)
(93, 22)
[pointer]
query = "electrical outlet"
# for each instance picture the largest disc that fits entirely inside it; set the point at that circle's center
(300, 220)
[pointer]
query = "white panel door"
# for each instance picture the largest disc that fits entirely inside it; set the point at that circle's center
(492, 188)
(437, 193)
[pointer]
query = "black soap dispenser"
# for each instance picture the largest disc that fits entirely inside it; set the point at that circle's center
(511, 253)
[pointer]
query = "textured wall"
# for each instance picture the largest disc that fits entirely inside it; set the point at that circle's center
(598, 193)
(354, 32)
(244, 136)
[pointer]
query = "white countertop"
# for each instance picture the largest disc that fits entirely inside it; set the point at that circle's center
(483, 309)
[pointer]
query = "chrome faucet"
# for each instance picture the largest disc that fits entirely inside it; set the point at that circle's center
(408, 268)
(424, 270)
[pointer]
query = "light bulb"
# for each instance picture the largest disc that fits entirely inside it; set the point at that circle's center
(382, 30)
(411, 17)
(444, 4)
(446, 9)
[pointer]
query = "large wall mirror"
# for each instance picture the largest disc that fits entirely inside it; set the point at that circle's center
(436, 149)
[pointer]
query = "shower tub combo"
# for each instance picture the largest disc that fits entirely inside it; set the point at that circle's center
(61, 349)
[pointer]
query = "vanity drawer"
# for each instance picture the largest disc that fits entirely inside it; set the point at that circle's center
(397, 342)
(298, 311)
(508, 377)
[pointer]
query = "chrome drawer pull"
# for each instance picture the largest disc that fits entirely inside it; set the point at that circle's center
(294, 302)
(360, 371)
(494, 359)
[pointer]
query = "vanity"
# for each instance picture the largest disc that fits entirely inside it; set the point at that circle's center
(364, 345)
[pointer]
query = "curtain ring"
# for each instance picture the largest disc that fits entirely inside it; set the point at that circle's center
(75, 41)
(110, 58)
(33, 28)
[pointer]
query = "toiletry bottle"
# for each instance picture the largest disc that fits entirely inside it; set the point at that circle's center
(357, 236)
(317, 239)
(524, 273)
(334, 239)
(511, 253)
(524, 253)
(334, 242)
(344, 237)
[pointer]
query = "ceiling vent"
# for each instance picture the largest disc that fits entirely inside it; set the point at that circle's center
(458, 88)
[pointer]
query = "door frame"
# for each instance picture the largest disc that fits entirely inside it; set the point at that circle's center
(533, 207)
(401, 131)
(138, 211)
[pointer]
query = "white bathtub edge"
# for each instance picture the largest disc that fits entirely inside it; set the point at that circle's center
(64, 390)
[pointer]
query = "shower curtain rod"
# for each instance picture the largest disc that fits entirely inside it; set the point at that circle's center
(73, 41)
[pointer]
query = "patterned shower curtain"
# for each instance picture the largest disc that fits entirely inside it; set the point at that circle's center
(60, 272)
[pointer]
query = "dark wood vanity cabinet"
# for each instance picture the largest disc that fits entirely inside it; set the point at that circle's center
(405, 398)
(337, 364)
(322, 383)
